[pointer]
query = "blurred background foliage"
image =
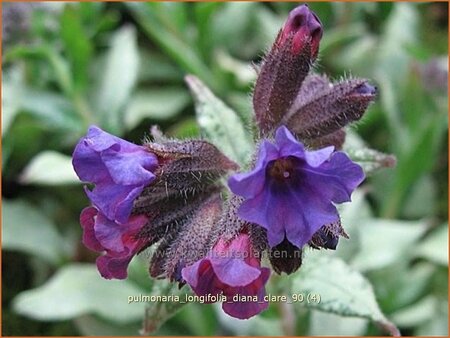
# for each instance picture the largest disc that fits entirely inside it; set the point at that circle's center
(121, 66)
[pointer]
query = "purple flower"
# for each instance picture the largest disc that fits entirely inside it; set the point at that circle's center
(291, 191)
(118, 240)
(232, 269)
(119, 169)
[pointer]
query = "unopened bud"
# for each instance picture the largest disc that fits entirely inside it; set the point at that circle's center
(304, 27)
(285, 67)
(285, 257)
(327, 108)
(328, 236)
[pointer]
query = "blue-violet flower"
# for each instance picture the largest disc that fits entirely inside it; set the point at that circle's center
(119, 169)
(291, 191)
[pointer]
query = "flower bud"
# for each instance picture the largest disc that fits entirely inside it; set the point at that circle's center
(304, 27)
(285, 257)
(327, 237)
(285, 67)
(190, 242)
(335, 139)
(324, 108)
(187, 167)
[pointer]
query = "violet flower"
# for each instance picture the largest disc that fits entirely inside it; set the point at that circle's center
(120, 241)
(232, 269)
(291, 191)
(119, 169)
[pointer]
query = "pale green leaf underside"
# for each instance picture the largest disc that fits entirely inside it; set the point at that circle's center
(220, 124)
(76, 290)
(342, 290)
(26, 229)
(49, 168)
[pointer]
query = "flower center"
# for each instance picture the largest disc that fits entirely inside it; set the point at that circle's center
(281, 169)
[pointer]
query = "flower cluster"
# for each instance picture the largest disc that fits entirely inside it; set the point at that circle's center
(170, 192)
(290, 192)
(120, 170)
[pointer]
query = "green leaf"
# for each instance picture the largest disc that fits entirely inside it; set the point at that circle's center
(346, 293)
(155, 104)
(79, 289)
(158, 68)
(12, 94)
(384, 241)
(58, 64)
(352, 215)
(400, 31)
(233, 28)
(417, 160)
(421, 200)
(187, 128)
(118, 79)
(203, 19)
(52, 109)
(76, 43)
(329, 324)
(438, 324)
(243, 72)
(49, 168)
(369, 159)
(159, 27)
(393, 283)
(435, 246)
(219, 123)
(26, 229)
(417, 313)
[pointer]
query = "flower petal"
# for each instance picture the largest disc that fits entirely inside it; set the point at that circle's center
(337, 178)
(130, 168)
(250, 184)
(87, 221)
(114, 201)
(88, 164)
(287, 144)
(202, 278)
(114, 267)
(233, 271)
(247, 309)
(117, 237)
(317, 157)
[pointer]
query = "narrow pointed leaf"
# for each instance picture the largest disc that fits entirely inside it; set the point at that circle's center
(347, 293)
(219, 123)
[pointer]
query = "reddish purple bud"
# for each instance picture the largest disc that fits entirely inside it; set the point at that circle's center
(119, 241)
(285, 67)
(304, 27)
